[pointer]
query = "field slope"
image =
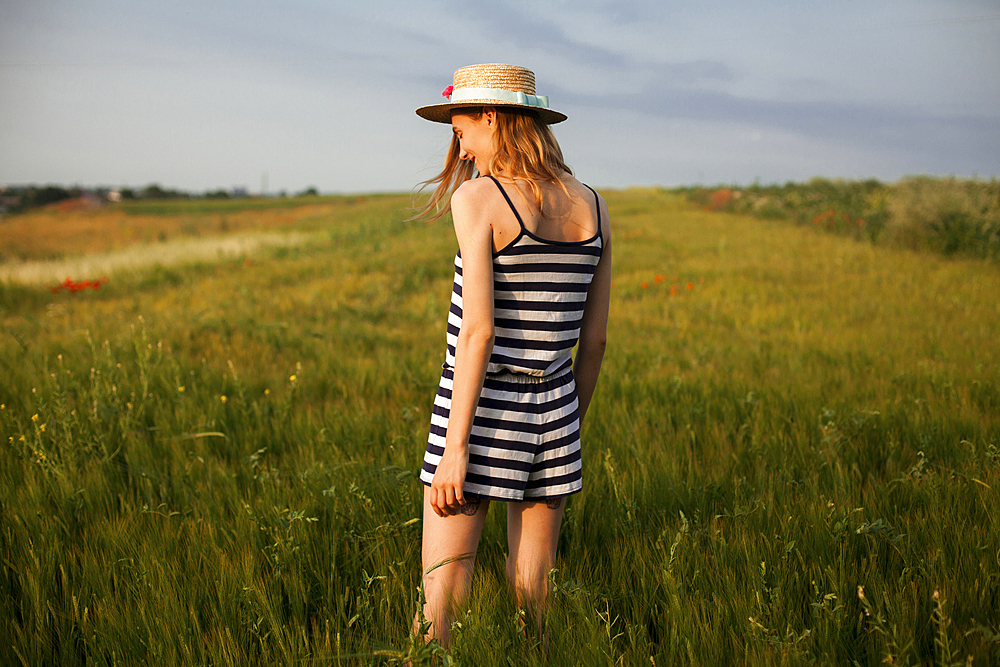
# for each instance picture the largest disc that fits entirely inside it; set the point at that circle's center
(793, 456)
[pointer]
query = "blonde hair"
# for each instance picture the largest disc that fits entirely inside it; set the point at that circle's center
(525, 149)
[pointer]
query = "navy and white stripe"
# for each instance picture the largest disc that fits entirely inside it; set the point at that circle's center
(525, 439)
(539, 291)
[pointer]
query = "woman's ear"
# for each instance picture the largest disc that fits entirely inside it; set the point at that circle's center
(491, 116)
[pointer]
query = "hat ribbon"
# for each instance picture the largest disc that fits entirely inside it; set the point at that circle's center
(514, 97)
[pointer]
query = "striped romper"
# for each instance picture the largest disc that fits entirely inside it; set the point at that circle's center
(525, 438)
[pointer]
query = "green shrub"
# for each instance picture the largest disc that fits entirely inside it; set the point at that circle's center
(947, 215)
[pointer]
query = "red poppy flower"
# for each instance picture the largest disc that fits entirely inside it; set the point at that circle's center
(71, 285)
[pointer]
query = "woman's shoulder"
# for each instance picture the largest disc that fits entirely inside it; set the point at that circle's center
(476, 203)
(587, 194)
(593, 196)
(473, 191)
(478, 198)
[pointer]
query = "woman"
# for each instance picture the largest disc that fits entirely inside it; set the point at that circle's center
(532, 278)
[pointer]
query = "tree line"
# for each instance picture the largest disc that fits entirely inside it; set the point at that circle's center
(18, 199)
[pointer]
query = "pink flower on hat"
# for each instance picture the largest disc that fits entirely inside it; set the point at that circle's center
(447, 91)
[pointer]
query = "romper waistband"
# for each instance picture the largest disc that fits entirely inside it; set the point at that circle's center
(524, 378)
(517, 378)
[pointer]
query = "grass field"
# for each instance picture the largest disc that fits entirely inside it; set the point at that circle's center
(793, 456)
(54, 233)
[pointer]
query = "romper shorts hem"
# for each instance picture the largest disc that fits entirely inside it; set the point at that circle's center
(525, 439)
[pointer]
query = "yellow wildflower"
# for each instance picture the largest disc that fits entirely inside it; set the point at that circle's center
(292, 378)
(21, 438)
(42, 428)
(181, 389)
(267, 391)
(223, 398)
(34, 417)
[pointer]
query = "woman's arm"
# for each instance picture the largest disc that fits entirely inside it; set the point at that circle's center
(594, 326)
(474, 346)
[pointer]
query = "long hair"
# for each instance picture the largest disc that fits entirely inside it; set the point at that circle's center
(525, 149)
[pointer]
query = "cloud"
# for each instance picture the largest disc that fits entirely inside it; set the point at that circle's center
(534, 33)
(858, 124)
(322, 91)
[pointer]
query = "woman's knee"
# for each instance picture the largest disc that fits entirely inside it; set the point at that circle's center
(529, 578)
(448, 580)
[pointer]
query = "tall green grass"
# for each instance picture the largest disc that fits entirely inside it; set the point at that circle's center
(794, 458)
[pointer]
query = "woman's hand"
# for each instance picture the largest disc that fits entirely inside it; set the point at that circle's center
(447, 497)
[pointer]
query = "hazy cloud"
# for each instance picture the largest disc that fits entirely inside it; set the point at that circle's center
(317, 92)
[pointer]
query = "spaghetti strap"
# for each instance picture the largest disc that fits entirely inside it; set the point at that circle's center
(597, 203)
(510, 203)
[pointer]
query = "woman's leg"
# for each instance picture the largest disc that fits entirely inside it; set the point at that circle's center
(448, 556)
(532, 537)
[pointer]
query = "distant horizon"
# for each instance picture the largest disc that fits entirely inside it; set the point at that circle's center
(294, 192)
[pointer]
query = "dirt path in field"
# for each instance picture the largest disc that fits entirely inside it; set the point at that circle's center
(51, 232)
(185, 250)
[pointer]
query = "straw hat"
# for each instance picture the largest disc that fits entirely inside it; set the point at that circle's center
(495, 86)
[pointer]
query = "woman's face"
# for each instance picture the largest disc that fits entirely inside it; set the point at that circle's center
(475, 138)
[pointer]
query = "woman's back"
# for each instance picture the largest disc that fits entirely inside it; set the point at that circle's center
(540, 284)
(570, 214)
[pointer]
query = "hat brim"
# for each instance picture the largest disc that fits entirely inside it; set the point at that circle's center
(441, 113)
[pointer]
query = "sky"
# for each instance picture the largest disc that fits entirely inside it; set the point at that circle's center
(282, 95)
